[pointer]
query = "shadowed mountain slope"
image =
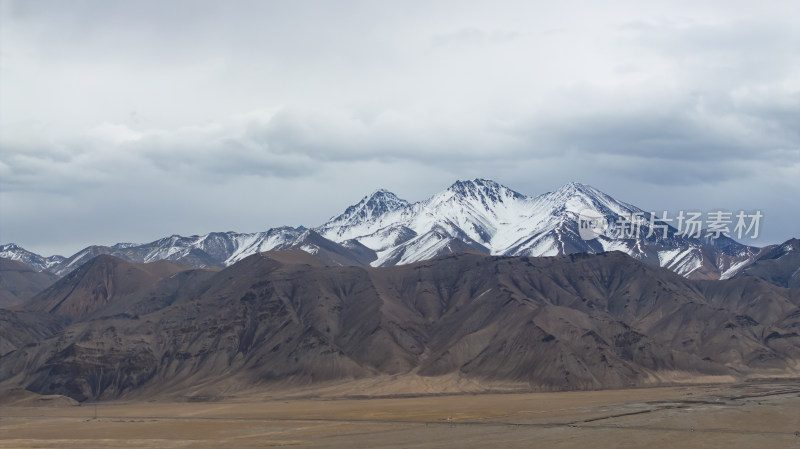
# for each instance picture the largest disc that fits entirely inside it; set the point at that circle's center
(555, 323)
(19, 282)
(98, 284)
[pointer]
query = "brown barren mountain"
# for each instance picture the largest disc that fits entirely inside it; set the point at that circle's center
(278, 320)
(99, 283)
(19, 282)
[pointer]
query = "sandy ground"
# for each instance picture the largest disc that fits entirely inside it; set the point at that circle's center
(751, 415)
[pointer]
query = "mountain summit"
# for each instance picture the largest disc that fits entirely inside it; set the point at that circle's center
(370, 209)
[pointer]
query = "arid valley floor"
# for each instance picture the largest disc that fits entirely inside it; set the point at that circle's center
(763, 414)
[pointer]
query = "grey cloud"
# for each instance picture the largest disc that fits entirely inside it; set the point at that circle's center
(722, 55)
(675, 135)
(474, 36)
(298, 144)
(184, 109)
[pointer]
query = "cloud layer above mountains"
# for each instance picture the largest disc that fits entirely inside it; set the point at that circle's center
(132, 120)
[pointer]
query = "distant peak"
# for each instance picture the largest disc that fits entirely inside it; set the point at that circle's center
(791, 245)
(575, 187)
(576, 197)
(381, 196)
(287, 230)
(381, 192)
(481, 187)
(379, 202)
(475, 183)
(102, 259)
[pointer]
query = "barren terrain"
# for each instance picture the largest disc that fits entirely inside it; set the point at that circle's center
(763, 414)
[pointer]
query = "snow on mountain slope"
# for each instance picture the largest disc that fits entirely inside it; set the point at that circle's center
(40, 263)
(426, 246)
(219, 249)
(224, 249)
(681, 260)
(734, 269)
(387, 238)
(553, 222)
(362, 218)
(469, 212)
(480, 209)
(778, 264)
(249, 244)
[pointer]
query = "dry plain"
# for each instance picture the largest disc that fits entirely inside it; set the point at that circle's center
(764, 414)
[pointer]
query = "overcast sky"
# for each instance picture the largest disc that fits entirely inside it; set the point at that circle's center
(132, 120)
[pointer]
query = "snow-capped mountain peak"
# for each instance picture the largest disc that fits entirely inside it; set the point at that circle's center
(40, 263)
(574, 197)
(370, 208)
(484, 190)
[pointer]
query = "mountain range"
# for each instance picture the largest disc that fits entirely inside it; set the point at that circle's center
(116, 329)
(479, 215)
(478, 288)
